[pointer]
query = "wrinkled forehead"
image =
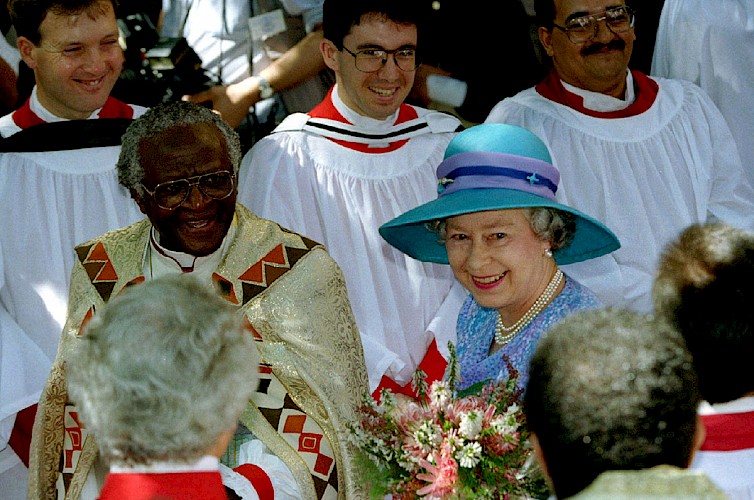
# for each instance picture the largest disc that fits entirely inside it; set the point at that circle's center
(570, 9)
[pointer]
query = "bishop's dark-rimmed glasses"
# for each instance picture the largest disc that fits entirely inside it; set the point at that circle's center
(171, 194)
(583, 29)
(372, 60)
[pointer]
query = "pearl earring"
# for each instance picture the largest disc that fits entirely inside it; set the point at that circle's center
(548, 252)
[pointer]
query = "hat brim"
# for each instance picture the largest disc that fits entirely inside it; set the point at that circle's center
(409, 233)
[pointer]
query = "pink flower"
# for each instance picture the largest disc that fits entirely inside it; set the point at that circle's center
(442, 477)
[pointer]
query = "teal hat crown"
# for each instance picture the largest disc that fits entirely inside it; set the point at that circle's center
(494, 167)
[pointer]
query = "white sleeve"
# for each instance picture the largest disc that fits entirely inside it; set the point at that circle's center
(256, 453)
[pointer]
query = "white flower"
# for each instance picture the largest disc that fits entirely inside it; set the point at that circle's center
(469, 455)
(439, 394)
(428, 435)
(471, 424)
(504, 424)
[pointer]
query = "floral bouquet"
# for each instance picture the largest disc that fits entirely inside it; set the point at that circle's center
(448, 445)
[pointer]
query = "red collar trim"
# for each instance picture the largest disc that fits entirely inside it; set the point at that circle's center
(24, 117)
(729, 431)
(646, 92)
(326, 109)
(174, 486)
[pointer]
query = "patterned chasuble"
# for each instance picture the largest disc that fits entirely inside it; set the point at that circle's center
(300, 431)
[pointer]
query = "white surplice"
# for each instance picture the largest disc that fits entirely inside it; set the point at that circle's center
(340, 197)
(647, 177)
(712, 45)
(49, 202)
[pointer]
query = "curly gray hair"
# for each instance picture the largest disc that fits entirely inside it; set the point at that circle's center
(162, 371)
(158, 119)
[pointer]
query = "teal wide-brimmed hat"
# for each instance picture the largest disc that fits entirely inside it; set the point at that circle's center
(492, 167)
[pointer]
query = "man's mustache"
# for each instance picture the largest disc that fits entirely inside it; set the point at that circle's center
(598, 47)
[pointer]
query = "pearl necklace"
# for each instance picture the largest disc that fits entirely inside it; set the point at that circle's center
(504, 334)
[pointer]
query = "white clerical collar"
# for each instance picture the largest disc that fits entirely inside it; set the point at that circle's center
(596, 101)
(206, 463)
(38, 109)
(159, 261)
(741, 405)
(362, 121)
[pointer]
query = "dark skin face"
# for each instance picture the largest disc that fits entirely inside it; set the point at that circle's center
(199, 225)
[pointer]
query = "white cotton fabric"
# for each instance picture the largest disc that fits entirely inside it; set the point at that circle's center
(731, 471)
(49, 203)
(646, 177)
(222, 42)
(255, 452)
(340, 197)
(9, 54)
(712, 45)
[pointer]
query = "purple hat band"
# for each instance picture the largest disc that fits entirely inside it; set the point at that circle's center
(489, 170)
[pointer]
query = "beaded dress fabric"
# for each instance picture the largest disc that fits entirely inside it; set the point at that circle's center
(476, 329)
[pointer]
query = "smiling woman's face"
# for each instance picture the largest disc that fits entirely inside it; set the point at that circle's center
(497, 256)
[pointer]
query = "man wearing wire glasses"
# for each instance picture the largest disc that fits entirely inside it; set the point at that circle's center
(647, 156)
(358, 159)
(180, 161)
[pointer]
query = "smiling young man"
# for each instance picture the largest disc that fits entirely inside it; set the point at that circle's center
(646, 156)
(179, 162)
(58, 187)
(358, 159)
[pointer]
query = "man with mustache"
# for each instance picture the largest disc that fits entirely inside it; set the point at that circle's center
(646, 156)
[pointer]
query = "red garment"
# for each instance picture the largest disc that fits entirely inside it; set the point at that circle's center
(646, 92)
(258, 479)
(433, 365)
(24, 117)
(326, 109)
(207, 485)
(729, 432)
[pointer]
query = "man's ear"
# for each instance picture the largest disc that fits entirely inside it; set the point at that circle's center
(329, 50)
(26, 49)
(139, 201)
(540, 456)
(700, 433)
(545, 37)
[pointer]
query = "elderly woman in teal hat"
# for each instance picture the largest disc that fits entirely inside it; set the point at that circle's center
(498, 225)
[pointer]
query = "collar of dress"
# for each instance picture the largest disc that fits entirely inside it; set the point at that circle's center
(334, 120)
(33, 113)
(645, 91)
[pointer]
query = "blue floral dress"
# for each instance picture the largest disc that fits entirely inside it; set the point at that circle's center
(476, 329)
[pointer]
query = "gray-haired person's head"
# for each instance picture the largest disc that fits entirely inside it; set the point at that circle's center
(611, 390)
(162, 371)
(163, 117)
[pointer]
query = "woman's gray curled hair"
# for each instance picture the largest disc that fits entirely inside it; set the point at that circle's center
(162, 371)
(158, 119)
(549, 224)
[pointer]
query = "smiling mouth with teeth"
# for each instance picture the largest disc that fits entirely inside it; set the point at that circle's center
(197, 224)
(383, 92)
(488, 280)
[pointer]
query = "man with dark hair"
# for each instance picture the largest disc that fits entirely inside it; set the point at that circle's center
(611, 400)
(180, 163)
(705, 287)
(645, 156)
(58, 186)
(360, 158)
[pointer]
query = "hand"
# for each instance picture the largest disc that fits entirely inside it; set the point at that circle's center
(419, 91)
(232, 102)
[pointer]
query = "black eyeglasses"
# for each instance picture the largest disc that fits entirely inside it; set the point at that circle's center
(371, 60)
(584, 28)
(170, 195)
